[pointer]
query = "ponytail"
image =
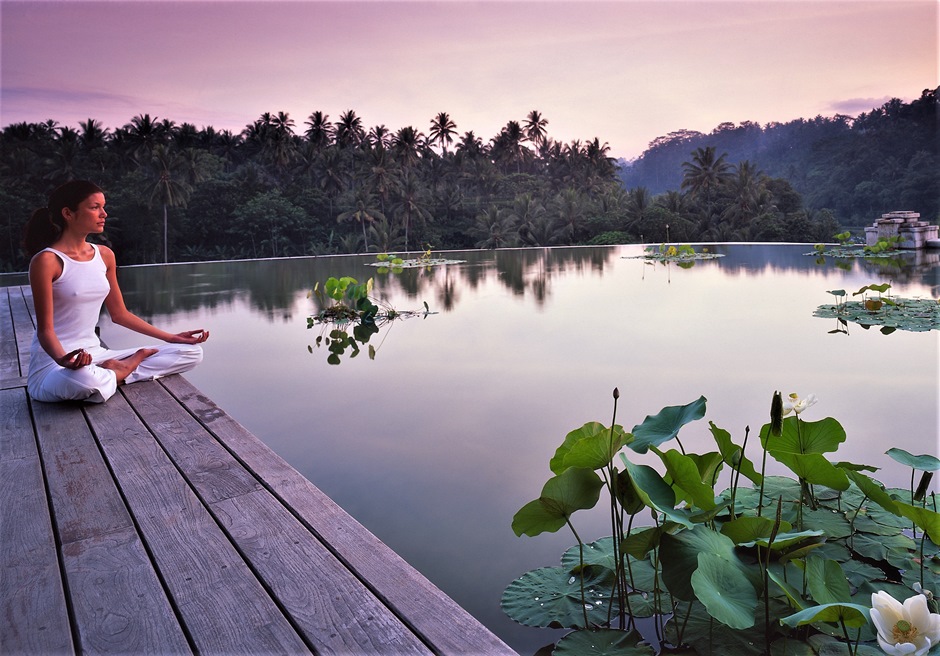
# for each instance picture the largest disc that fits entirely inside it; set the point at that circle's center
(47, 223)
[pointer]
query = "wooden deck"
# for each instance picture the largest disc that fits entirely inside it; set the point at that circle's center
(155, 523)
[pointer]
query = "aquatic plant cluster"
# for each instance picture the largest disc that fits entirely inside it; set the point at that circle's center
(890, 312)
(814, 562)
(349, 304)
(684, 255)
(848, 249)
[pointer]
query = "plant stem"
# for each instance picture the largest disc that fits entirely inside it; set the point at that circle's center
(580, 570)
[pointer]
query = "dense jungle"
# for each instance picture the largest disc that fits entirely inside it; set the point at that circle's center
(180, 193)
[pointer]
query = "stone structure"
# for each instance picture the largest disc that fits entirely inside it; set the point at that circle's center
(914, 233)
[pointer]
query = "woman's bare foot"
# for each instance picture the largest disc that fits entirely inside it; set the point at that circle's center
(122, 368)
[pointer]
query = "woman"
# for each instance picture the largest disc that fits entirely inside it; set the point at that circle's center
(70, 279)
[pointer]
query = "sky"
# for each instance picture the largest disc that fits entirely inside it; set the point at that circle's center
(623, 71)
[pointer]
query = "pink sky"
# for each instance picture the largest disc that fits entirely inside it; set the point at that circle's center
(624, 71)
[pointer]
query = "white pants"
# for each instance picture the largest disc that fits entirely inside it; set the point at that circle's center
(97, 384)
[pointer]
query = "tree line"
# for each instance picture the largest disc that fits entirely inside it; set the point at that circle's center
(859, 168)
(181, 193)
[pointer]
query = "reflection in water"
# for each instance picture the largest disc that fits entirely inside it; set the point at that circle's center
(456, 422)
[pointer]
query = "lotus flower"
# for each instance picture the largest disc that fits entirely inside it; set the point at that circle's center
(908, 629)
(794, 403)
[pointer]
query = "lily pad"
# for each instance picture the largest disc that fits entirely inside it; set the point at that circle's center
(602, 642)
(414, 263)
(911, 314)
(551, 597)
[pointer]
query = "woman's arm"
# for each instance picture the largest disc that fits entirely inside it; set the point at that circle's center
(124, 317)
(44, 268)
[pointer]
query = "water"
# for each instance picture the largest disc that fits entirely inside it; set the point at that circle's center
(439, 440)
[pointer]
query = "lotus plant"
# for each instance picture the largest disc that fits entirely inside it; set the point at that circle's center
(793, 403)
(908, 628)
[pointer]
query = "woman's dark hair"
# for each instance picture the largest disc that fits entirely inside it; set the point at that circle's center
(47, 223)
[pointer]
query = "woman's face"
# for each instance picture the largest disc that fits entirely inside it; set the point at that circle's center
(89, 217)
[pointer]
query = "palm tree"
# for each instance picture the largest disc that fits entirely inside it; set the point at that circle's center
(380, 137)
(570, 214)
(411, 203)
(320, 131)
(442, 131)
(170, 188)
(705, 175)
(363, 211)
(507, 145)
(143, 134)
(407, 145)
(535, 128)
(348, 130)
(525, 214)
(495, 229)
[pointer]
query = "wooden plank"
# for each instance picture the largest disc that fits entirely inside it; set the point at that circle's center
(33, 613)
(336, 612)
(9, 361)
(24, 325)
(223, 606)
(117, 599)
(83, 496)
(431, 613)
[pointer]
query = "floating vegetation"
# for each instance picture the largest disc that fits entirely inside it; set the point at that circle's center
(891, 313)
(683, 255)
(387, 262)
(777, 565)
(884, 248)
(352, 309)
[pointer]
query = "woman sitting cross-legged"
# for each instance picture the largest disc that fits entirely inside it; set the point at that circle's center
(70, 279)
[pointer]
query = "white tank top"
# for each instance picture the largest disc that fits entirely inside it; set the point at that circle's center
(77, 296)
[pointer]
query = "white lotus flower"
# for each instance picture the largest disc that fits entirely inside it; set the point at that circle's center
(908, 629)
(794, 403)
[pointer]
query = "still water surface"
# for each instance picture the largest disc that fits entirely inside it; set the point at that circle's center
(435, 443)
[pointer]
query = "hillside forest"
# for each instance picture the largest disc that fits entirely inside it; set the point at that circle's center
(176, 192)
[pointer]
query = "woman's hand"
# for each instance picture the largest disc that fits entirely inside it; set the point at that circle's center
(75, 360)
(190, 337)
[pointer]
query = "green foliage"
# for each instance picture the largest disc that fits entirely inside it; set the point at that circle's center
(787, 566)
(858, 168)
(347, 304)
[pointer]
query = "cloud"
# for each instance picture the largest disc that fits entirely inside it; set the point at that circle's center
(855, 106)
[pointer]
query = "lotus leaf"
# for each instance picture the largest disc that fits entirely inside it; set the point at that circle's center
(551, 597)
(724, 590)
(679, 555)
(664, 426)
(710, 638)
(656, 493)
(925, 462)
(853, 615)
(827, 582)
(733, 454)
(602, 642)
(803, 437)
(592, 447)
(562, 495)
